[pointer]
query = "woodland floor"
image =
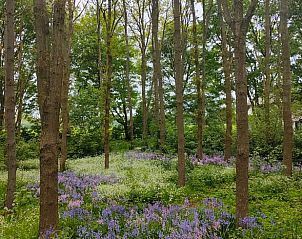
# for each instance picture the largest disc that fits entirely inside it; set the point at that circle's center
(137, 193)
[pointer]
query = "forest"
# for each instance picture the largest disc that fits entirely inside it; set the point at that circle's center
(151, 119)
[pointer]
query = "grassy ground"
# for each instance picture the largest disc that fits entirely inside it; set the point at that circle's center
(148, 181)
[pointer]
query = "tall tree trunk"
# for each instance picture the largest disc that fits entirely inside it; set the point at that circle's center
(227, 64)
(286, 76)
(267, 81)
(2, 79)
(144, 99)
(127, 72)
(198, 81)
(239, 25)
(65, 86)
(99, 35)
(178, 65)
(10, 103)
(107, 85)
(158, 81)
(20, 85)
(50, 73)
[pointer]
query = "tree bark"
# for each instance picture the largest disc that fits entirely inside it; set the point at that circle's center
(65, 86)
(2, 77)
(267, 81)
(199, 116)
(10, 104)
(227, 64)
(158, 81)
(178, 62)
(286, 76)
(127, 73)
(143, 80)
(50, 73)
(239, 26)
(99, 33)
(107, 84)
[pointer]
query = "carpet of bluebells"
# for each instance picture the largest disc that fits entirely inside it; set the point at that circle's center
(138, 198)
(88, 215)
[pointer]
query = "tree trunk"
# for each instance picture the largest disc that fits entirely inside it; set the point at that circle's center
(159, 99)
(178, 62)
(199, 117)
(144, 100)
(227, 64)
(99, 35)
(239, 25)
(2, 79)
(286, 76)
(267, 81)
(127, 72)
(50, 73)
(10, 104)
(107, 85)
(65, 86)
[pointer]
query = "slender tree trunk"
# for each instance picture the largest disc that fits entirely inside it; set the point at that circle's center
(227, 64)
(199, 117)
(20, 85)
(239, 24)
(286, 76)
(144, 99)
(2, 78)
(50, 73)
(107, 85)
(10, 103)
(127, 72)
(178, 62)
(267, 81)
(157, 75)
(1, 100)
(65, 86)
(99, 33)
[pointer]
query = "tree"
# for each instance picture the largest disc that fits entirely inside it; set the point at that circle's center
(111, 20)
(157, 75)
(127, 73)
(10, 103)
(50, 73)
(267, 82)
(178, 68)
(2, 74)
(227, 64)
(65, 84)
(138, 13)
(286, 77)
(198, 81)
(239, 25)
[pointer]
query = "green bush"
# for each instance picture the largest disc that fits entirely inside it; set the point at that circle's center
(210, 176)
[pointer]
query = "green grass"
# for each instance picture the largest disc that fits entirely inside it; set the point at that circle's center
(144, 182)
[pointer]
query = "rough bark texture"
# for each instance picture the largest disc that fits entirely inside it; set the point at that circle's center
(10, 104)
(158, 81)
(65, 86)
(50, 73)
(199, 116)
(286, 76)
(127, 72)
(2, 78)
(178, 62)
(107, 84)
(239, 25)
(227, 64)
(267, 81)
